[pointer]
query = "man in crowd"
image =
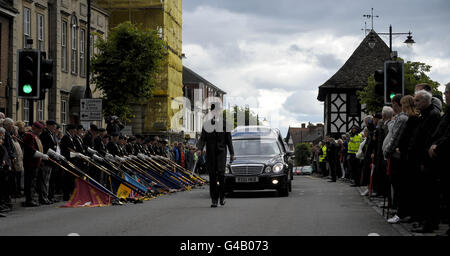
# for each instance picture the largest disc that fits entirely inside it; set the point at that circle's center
(67, 145)
(48, 139)
(429, 119)
(440, 150)
(33, 155)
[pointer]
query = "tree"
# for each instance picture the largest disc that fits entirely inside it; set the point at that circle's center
(415, 73)
(126, 67)
(250, 117)
(302, 154)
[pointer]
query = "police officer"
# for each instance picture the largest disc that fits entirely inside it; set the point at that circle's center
(217, 138)
(353, 162)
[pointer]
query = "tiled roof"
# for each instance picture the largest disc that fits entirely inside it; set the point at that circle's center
(362, 63)
(190, 77)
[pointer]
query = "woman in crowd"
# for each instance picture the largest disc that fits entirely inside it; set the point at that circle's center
(18, 164)
(407, 173)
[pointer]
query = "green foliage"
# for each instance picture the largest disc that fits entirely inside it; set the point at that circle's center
(126, 67)
(250, 117)
(415, 73)
(302, 154)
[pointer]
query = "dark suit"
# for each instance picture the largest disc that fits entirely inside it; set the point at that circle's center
(48, 142)
(100, 147)
(67, 145)
(216, 142)
(114, 149)
(31, 164)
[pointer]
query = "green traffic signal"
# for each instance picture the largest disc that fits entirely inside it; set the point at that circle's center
(27, 89)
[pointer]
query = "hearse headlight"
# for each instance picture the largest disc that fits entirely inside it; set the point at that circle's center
(227, 170)
(268, 169)
(277, 168)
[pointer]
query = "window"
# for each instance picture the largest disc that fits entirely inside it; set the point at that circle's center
(91, 46)
(26, 26)
(26, 111)
(74, 55)
(40, 32)
(63, 112)
(40, 110)
(82, 59)
(64, 46)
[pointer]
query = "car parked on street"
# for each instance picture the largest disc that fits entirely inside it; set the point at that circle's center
(306, 170)
(262, 161)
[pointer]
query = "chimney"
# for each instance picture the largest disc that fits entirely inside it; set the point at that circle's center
(303, 125)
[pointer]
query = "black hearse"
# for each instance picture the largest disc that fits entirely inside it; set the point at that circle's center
(262, 161)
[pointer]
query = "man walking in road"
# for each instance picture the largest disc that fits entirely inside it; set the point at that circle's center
(217, 137)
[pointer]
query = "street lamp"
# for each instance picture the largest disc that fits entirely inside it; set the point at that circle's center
(409, 41)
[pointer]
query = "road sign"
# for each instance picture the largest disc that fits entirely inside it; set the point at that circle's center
(91, 105)
(91, 110)
(91, 116)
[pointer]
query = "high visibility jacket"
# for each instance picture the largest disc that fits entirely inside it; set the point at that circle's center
(324, 154)
(353, 144)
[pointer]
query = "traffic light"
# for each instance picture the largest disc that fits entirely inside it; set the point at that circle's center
(28, 74)
(379, 83)
(46, 74)
(393, 80)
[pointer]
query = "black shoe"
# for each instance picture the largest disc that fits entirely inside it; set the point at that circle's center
(30, 204)
(44, 202)
(2, 215)
(331, 181)
(214, 204)
(222, 201)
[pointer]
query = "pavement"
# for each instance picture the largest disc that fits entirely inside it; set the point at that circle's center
(377, 204)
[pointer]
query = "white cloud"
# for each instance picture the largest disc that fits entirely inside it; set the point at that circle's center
(279, 62)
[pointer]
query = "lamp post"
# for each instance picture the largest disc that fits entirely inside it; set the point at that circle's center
(87, 92)
(409, 41)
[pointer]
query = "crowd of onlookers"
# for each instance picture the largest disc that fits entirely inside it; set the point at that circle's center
(400, 155)
(26, 171)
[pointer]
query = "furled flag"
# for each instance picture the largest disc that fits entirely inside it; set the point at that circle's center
(87, 195)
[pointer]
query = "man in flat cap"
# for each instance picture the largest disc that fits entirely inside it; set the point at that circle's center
(48, 139)
(32, 157)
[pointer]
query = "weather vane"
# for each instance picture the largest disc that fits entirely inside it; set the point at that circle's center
(371, 16)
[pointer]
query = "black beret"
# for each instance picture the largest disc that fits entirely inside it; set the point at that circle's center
(115, 134)
(131, 139)
(94, 128)
(106, 136)
(80, 127)
(50, 122)
(122, 137)
(71, 127)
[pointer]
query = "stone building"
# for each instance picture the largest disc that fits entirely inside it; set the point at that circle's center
(58, 27)
(155, 117)
(342, 109)
(7, 15)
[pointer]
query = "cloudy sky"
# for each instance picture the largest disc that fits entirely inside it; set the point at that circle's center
(273, 55)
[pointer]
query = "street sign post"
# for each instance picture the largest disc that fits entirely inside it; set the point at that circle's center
(91, 110)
